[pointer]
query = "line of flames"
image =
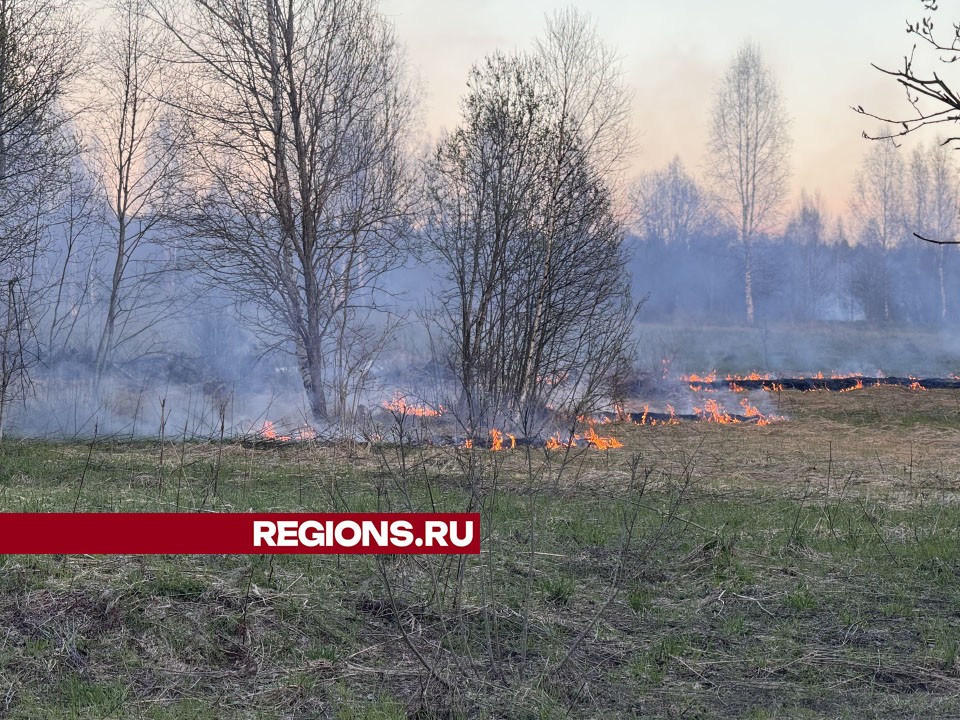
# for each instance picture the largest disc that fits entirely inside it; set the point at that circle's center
(710, 411)
(701, 383)
(500, 440)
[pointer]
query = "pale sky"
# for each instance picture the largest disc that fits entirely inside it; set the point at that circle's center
(674, 53)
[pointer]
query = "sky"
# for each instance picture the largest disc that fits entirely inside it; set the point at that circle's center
(674, 53)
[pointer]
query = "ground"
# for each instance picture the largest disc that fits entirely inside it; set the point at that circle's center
(810, 568)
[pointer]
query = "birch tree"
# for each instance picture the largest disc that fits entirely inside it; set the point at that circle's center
(749, 153)
(299, 114)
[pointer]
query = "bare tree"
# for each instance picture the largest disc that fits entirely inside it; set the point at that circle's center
(136, 161)
(879, 213)
(586, 79)
(536, 309)
(669, 205)
(934, 203)
(877, 203)
(299, 115)
(806, 230)
(41, 54)
(583, 79)
(72, 262)
(931, 97)
(749, 153)
(944, 209)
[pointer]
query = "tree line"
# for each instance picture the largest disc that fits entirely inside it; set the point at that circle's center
(865, 265)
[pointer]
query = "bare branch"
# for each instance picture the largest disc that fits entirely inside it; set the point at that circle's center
(936, 242)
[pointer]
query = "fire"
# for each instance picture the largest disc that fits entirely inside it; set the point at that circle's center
(736, 388)
(600, 442)
(555, 443)
(915, 384)
(553, 379)
(305, 433)
(664, 368)
(712, 411)
(858, 386)
(468, 444)
(751, 411)
(497, 437)
(268, 432)
(400, 406)
(753, 376)
(694, 378)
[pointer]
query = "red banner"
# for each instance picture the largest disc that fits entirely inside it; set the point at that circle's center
(238, 533)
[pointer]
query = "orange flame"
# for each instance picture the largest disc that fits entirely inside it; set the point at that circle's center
(754, 376)
(673, 415)
(305, 433)
(496, 440)
(752, 411)
(600, 442)
(712, 411)
(400, 406)
(555, 443)
(268, 432)
(858, 386)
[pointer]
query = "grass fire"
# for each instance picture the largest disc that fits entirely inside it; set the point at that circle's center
(724, 555)
(444, 361)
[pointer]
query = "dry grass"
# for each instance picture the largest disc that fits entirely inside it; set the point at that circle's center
(805, 569)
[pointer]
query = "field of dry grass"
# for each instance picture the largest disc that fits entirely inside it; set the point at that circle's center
(810, 568)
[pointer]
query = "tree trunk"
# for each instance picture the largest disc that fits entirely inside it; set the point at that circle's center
(748, 280)
(106, 338)
(943, 287)
(311, 373)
